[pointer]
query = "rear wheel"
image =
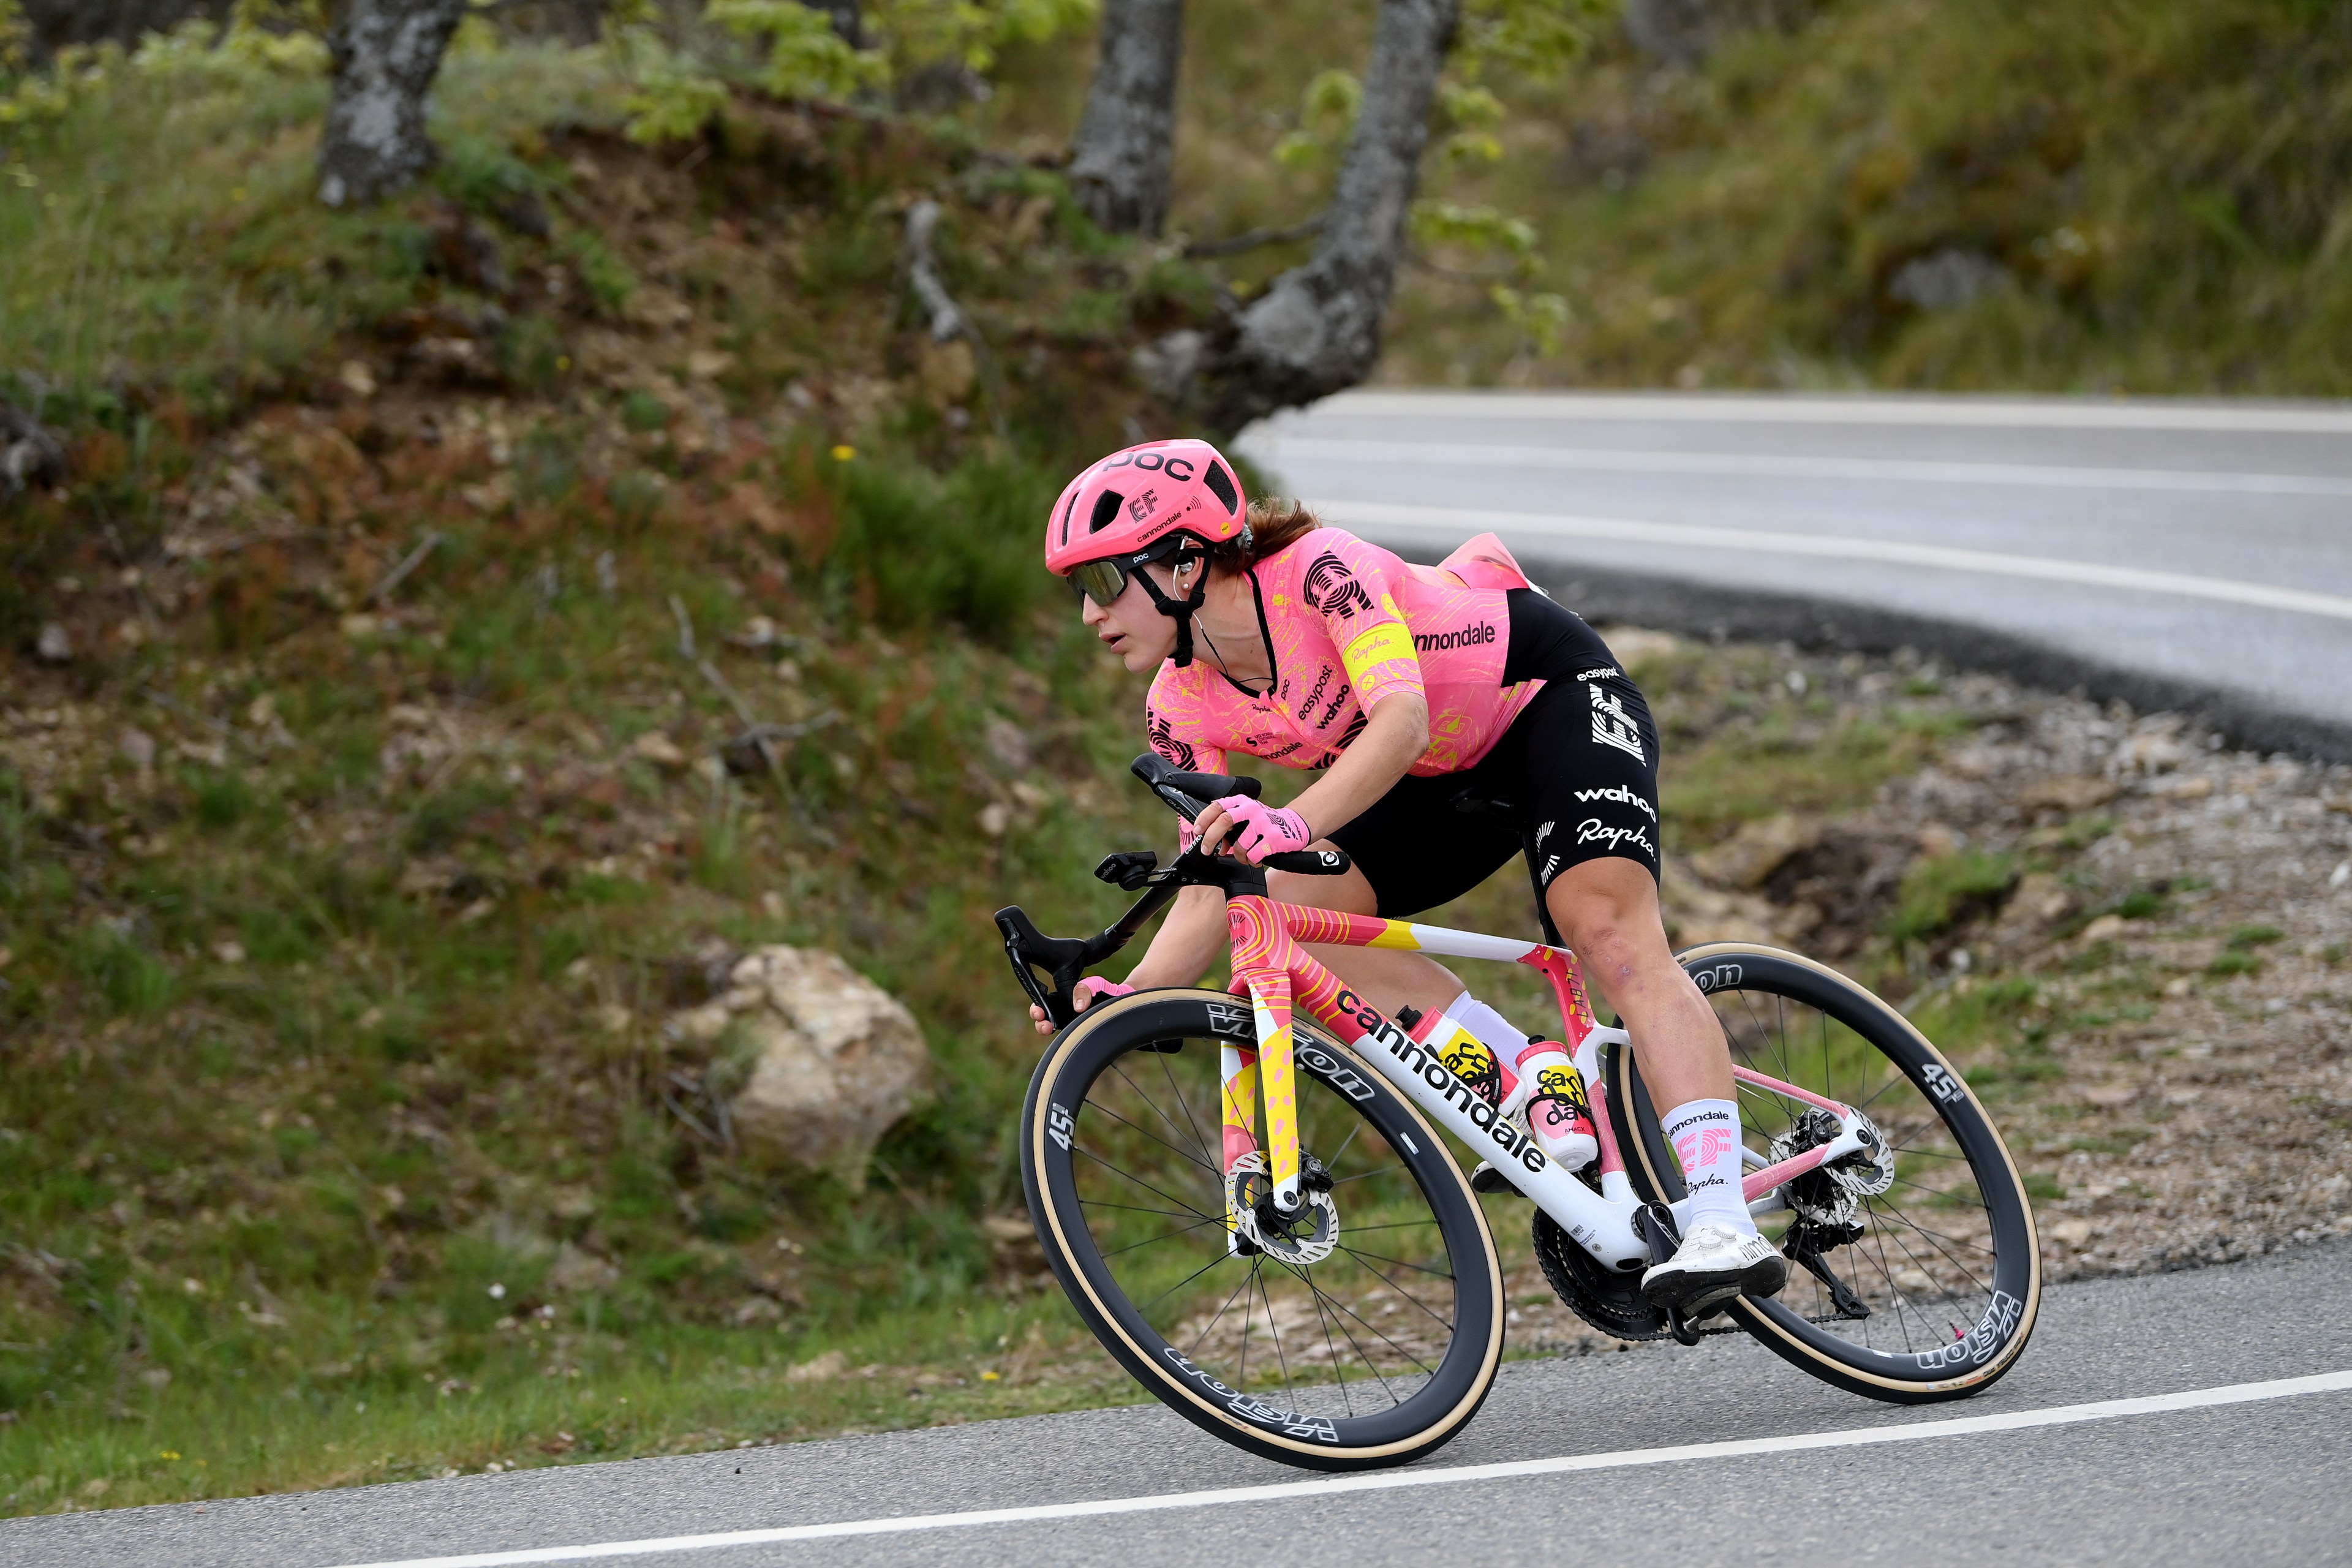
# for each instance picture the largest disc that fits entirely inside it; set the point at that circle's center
(1911, 1278)
(1364, 1332)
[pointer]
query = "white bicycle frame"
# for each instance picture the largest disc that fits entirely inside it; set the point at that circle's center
(1269, 962)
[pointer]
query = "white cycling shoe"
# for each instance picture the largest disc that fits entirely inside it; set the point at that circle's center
(1714, 1264)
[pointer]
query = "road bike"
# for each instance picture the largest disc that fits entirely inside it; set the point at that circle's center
(1248, 1196)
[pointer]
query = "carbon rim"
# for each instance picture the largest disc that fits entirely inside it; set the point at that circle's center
(1376, 1350)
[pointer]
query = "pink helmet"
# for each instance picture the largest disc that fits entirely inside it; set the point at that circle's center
(1135, 500)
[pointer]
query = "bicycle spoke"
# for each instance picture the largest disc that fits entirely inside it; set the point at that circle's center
(1140, 1182)
(1180, 1153)
(1370, 1329)
(1401, 1263)
(1200, 1140)
(1338, 1374)
(1337, 1307)
(1165, 1236)
(1417, 1301)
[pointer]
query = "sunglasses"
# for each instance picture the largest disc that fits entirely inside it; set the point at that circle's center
(1101, 581)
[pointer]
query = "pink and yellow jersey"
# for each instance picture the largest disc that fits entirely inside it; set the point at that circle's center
(1350, 624)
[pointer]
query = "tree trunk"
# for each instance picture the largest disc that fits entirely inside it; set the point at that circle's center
(1317, 328)
(1675, 32)
(1127, 133)
(386, 53)
(848, 25)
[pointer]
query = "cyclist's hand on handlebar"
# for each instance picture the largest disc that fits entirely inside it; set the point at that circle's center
(1258, 829)
(1087, 990)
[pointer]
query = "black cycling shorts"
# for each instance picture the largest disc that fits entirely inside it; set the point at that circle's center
(1574, 778)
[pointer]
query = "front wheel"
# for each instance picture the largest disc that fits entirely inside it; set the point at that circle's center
(1363, 1332)
(1912, 1278)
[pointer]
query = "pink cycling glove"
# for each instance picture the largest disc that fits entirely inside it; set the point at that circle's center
(1092, 990)
(1262, 830)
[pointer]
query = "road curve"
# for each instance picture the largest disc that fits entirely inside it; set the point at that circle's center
(2187, 556)
(2221, 1429)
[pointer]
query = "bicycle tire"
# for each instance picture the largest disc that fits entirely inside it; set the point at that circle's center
(1071, 1122)
(1936, 1283)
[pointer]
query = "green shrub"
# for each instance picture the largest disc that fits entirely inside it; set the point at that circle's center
(962, 547)
(1943, 889)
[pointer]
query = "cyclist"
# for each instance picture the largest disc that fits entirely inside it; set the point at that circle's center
(1414, 691)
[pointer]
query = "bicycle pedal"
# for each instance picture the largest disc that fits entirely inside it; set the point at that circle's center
(1488, 1179)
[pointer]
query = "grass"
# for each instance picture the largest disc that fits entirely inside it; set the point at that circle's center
(1938, 889)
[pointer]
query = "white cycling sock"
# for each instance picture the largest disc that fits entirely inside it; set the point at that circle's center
(1705, 1134)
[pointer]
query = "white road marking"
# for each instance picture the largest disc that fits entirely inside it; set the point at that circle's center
(1456, 522)
(1874, 408)
(1392, 1481)
(1273, 451)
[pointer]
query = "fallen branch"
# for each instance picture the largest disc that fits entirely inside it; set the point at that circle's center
(1252, 238)
(756, 746)
(408, 565)
(726, 689)
(685, 627)
(947, 317)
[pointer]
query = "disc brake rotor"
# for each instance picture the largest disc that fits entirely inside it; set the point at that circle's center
(1308, 1234)
(1831, 1195)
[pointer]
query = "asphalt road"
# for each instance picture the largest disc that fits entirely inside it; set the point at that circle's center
(2265, 1480)
(2185, 556)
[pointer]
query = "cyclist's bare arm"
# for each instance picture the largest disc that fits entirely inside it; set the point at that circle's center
(1194, 935)
(1393, 740)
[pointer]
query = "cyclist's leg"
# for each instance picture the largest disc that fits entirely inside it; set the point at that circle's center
(1591, 777)
(1607, 912)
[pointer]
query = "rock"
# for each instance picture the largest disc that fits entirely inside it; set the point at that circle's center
(2186, 786)
(658, 749)
(820, 1368)
(835, 1059)
(2039, 899)
(1696, 913)
(1936, 839)
(2156, 748)
(1639, 646)
(2104, 929)
(2073, 794)
(53, 645)
(1008, 742)
(575, 1270)
(1757, 850)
